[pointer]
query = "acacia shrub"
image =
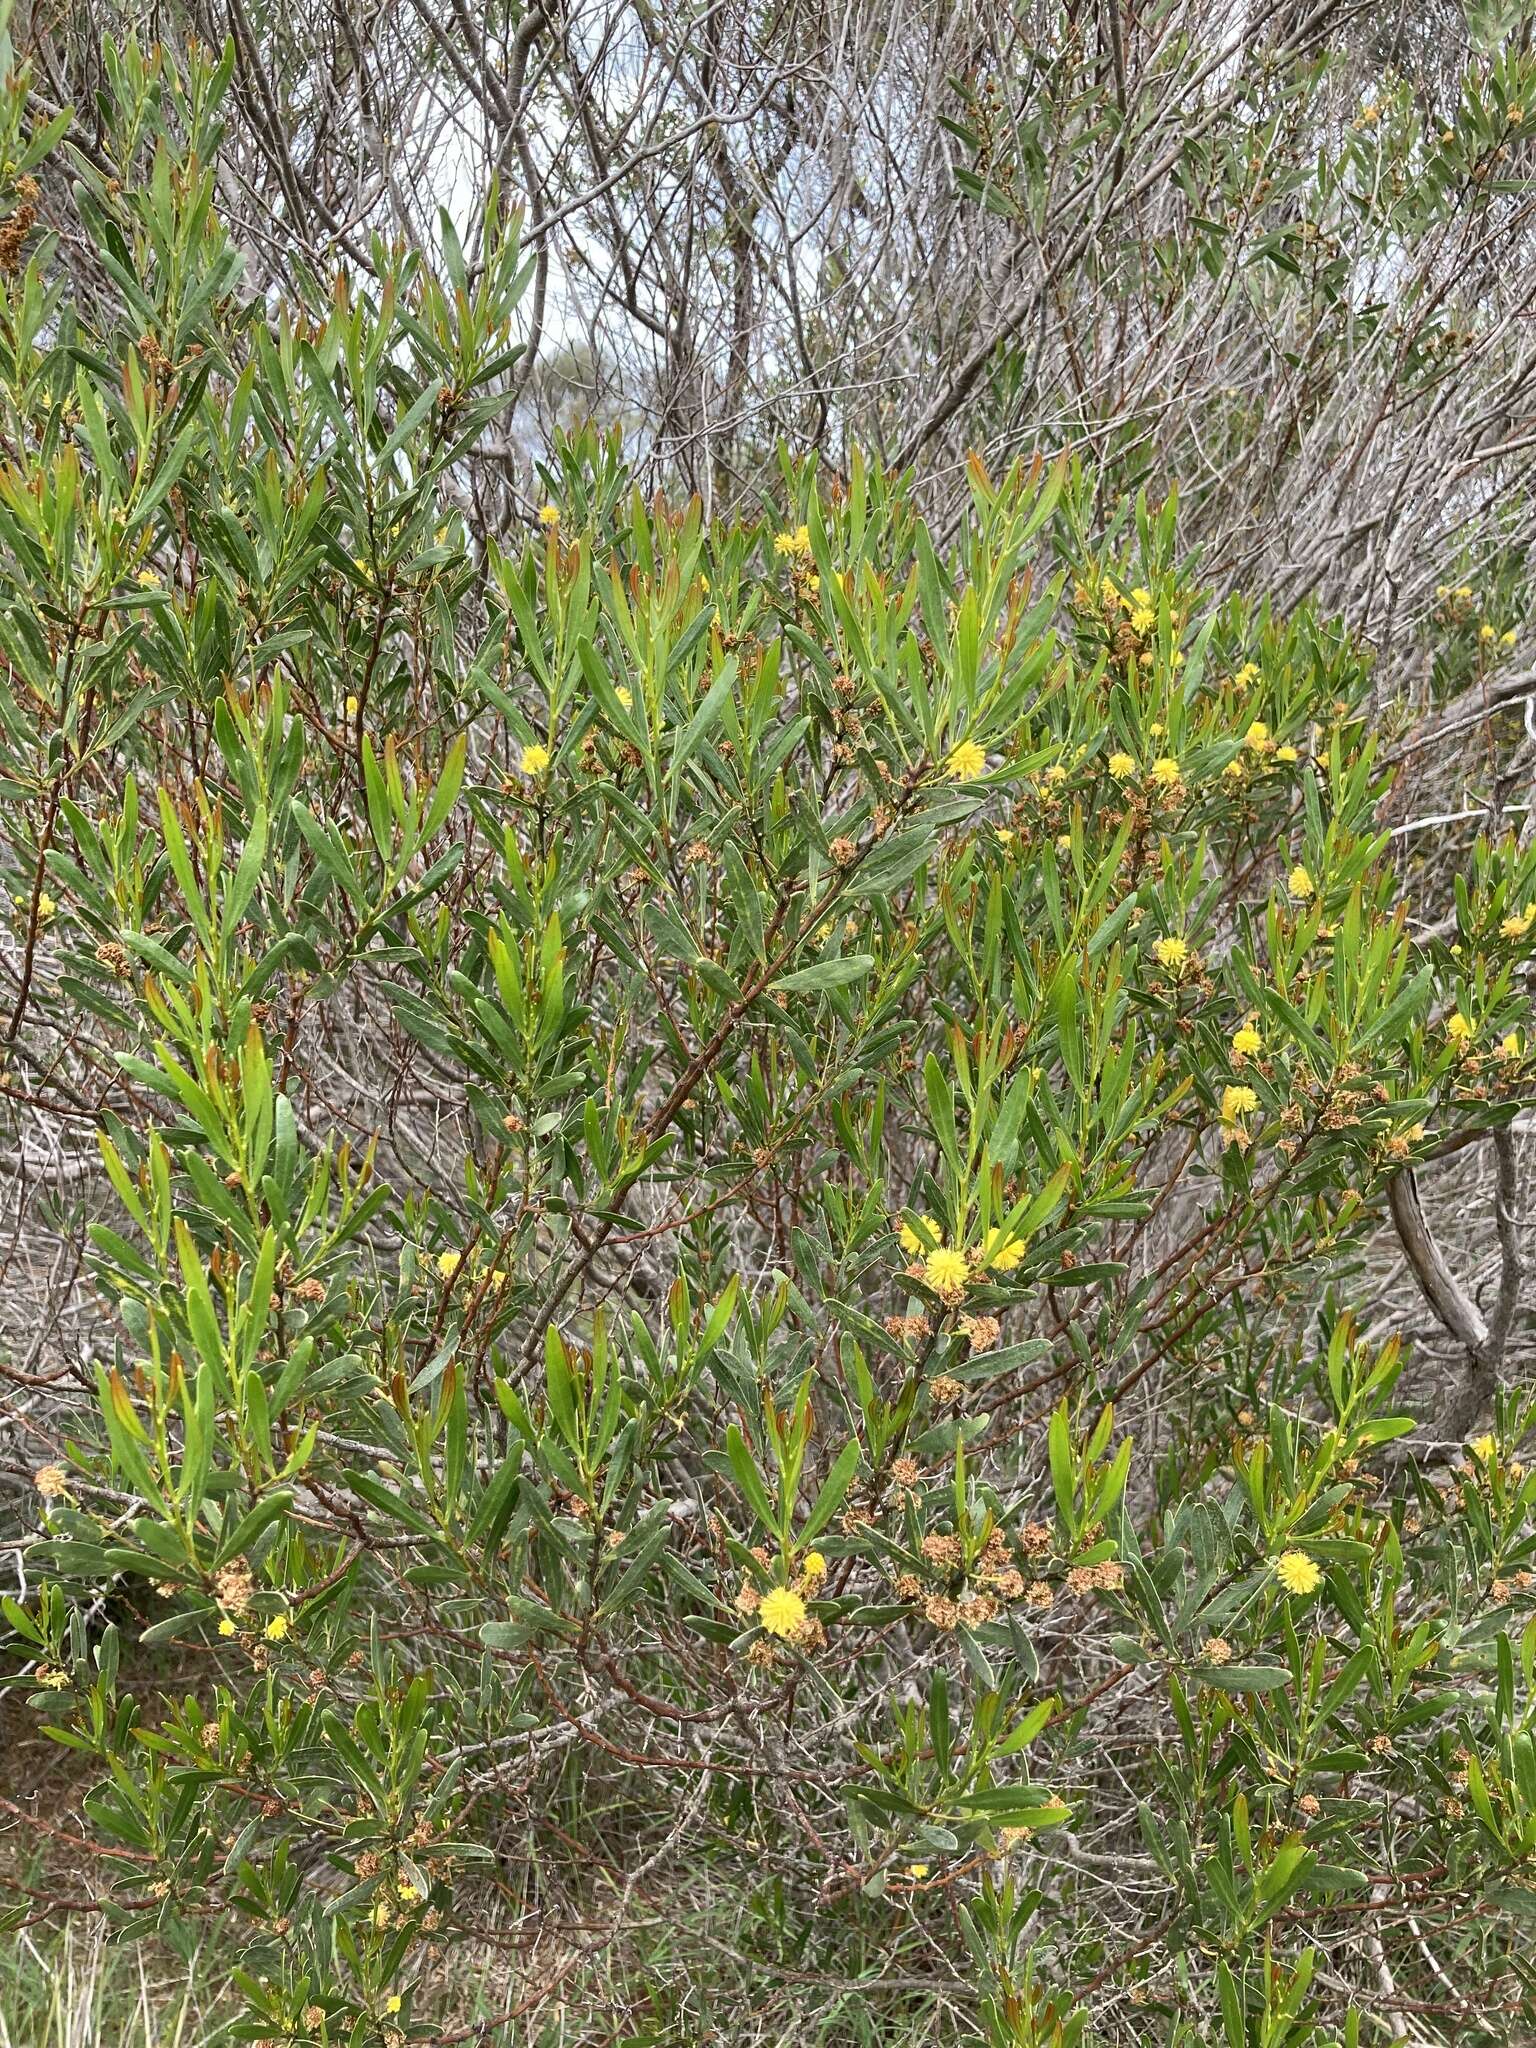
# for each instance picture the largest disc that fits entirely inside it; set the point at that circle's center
(735, 1163)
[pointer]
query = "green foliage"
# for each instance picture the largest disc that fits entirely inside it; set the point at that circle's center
(738, 1160)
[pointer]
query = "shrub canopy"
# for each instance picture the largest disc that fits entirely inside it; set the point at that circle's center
(734, 1175)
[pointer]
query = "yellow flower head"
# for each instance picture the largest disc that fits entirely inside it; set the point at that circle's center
(1297, 1572)
(781, 1611)
(1518, 923)
(911, 1242)
(946, 1270)
(1120, 766)
(1300, 883)
(226, 1627)
(624, 696)
(1509, 1046)
(1287, 755)
(535, 760)
(1002, 1257)
(1171, 953)
(1054, 776)
(1236, 1102)
(1256, 738)
(448, 1263)
(393, 2002)
(814, 1565)
(45, 908)
(1248, 673)
(1165, 771)
(1486, 632)
(1143, 620)
(1246, 1042)
(1235, 769)
(1458, 1029)
(351, 707)
(408, 1892)
(277, 1628)
(1483, 1449)
(918, 1870)
(549, 515)
(796, 543)
(148, 580)
(966, 762)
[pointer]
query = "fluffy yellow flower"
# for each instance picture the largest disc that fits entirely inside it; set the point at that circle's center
(1143, 620)
(1165, 771)
(1002, 1257)
(148, 580)
(1256, 738)
(1509, 1046)
(448, 1263)
(911, 1242)
(393, 2002)
(1236, 1102)
(277, 1628)
(966, 762)
(814, 1565)
(1300, 883)
(1518, 924)
(1054, 776)
(1458, 1029)
(226, 1627)
(1287, 755)
(796, 543)
(1297, 1572)
(1171, 953)
(918, 1870)
(946, 1270)
(1246, 1042)
(1486, 632)
(781, 1612)
(1248, 673)
(535, 760)
(1235, 769)
(1120, 766)
(1483, 1449)
(549, 515)
(351, 707)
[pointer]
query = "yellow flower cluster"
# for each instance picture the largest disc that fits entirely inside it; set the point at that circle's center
(535, 760)
(795, 542)
(1297, 1572)
(781, 1613)
(966, 762)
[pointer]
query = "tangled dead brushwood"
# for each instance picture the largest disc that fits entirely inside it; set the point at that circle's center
(768, 1042)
